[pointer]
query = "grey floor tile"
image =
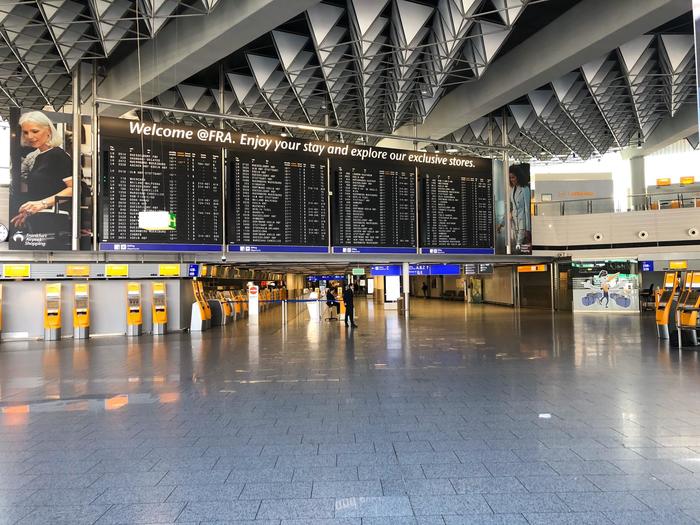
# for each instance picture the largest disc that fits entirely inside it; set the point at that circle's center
(650, 518)
(482, 454)
(468, 470)
(141, 514)
(670, 499)
(127, 479)
(262, 491)
(416, 487)
(619, 453)
(369, 472)
(567, 518)
(486, 519)
(601, 501)
(427, 458)
(383, 506)
(557, 484)
(216, 492)
(77, 497)
(650, 466)
(296, 509)
(183, 477)
(444, 505)
(680, 481)
(246, 462)
(525, 502)
(666, 452)
(327, 460)
(10, 514)
(322, 521)
(522, 468)
(626, 483)
(127, 495)
(266, 475)
(487, 485)
(325, 474)
(219, 510)
(340, 489)
(348, 460)
(404, 520)
(584, 467)
(63, 515)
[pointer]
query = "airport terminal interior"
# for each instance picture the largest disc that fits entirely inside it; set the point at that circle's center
(349, 262)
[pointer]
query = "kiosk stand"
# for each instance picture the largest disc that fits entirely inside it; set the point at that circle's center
(666, 305)
(52, 312)
(0, 309)
(134, 313)
(159, 309)
(81, 311)
(200, 318)
(688, 311)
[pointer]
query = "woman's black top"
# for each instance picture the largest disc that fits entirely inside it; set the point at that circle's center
(46, 177)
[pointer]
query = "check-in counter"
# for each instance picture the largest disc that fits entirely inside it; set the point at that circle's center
(666, 302)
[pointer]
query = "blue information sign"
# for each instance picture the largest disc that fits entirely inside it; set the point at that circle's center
(387, 269)
(193, 270)
(647, 266)
(316, 278)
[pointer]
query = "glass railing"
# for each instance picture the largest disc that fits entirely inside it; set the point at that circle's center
(644, 202)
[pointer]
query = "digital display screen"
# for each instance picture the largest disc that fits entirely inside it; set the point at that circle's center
(456, 209)
(278, 199)
(148, 174)
(374, 205)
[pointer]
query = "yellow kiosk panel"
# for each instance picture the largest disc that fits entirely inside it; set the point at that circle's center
(169, 270)
(15, 271)
(52, 306)
(77, 270)
(117, 270)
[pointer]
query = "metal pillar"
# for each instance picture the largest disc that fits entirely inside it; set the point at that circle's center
(506, 167)
(77, 127)
(94, 136)
(406, 281)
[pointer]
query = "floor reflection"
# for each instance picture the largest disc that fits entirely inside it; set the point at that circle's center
(438, 335)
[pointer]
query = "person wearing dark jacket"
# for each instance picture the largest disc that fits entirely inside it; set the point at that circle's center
(348, 299)
(331, 301)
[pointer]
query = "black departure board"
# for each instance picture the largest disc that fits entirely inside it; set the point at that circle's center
(374, 206)
(158, 175)
(456, 209)
(278, 199)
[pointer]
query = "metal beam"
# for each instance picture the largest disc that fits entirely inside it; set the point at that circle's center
(585, 32)
(669, 131)
(188, 45)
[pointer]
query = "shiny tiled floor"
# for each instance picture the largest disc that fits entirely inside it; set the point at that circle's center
(463, 415)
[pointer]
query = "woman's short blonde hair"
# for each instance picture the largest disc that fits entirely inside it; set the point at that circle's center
(39, 118)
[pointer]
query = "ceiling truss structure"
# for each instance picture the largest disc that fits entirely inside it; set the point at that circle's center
(368, 65)
(42, 41)
(610, 103)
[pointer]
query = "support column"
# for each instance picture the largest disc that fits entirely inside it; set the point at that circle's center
(637, 184)
(77, 128)
(94, 143)
(406, 281)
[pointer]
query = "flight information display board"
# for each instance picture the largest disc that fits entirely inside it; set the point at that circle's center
(279, 202)
(159, 175)
(456, 209)
(374, 206)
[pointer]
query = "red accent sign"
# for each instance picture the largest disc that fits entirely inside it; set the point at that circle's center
(253, 290)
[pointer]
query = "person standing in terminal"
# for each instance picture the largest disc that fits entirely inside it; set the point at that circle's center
(349, 300)
(520, 219)
(425, 290)
(331, 301)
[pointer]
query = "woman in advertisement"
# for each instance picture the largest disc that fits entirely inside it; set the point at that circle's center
(520, 220)
(45, 183)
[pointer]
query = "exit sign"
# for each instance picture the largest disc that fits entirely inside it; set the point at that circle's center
(358, 271)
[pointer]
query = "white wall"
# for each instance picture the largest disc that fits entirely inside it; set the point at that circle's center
(498, 287)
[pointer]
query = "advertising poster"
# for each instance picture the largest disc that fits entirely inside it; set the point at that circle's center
(519, 209)
(41, 183)
(696, 26)
(605, 286)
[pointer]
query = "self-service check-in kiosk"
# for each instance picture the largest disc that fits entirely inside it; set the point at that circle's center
(134, 310)
(688, 308)
(52, 312)
(200, 319)
(81, 311)
(159, 308)
(0, 308)
(666, 305)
